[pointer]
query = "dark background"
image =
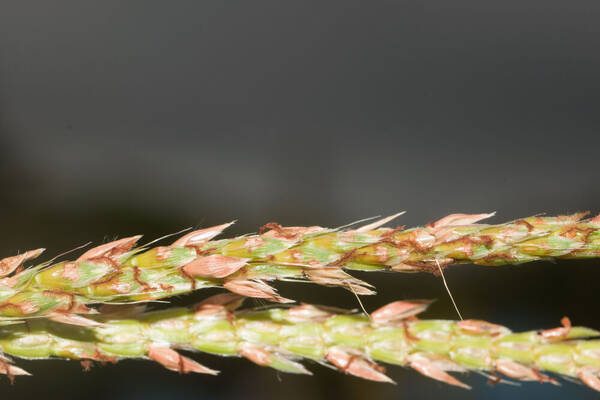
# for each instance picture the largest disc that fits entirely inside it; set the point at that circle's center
(119, 118)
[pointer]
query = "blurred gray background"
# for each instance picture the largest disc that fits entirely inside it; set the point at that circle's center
(119, 118)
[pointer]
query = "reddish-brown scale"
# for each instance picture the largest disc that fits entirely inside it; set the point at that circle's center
(574, 217)
(417, 245)
(424, 365)
(277, 228)
(59, 293)
(494, 379)
(112, 249)
(407, 332)
(10, 264)
(220, 310)
(9, 282)
(80, 308)
(390, 241)
(469, 242)
(86, 365)
(558, 333)
(174, 361)
(230, 301)
(188, 277)
(474, 326)
(349, 255)
(573, 232)
(215, 266)
(544, 378)
(24, 308)
(410, 242)
(165, 287)
(308, 312)
(98, 356)
(107, 278)
(515, 370)
(200, 236)
(526, 224)
(336, 277)
(209, 309)
(71, 271)
(393, 231)
(252, 243)
(6, 367)
(589, 375)
(429, 266)
(356, 365)
(256, 355)
(398, 310)
(382, 253)
(108, 260)
(251, 288)
(136, 277)
(499, 256)
(121, 287)
(296, 255)
(197, 248)
(180, 365)
(457, 220)
(486, 240)
(163, 253)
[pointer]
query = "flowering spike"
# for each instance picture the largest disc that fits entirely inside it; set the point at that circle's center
(114, 272)
(280, 337)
